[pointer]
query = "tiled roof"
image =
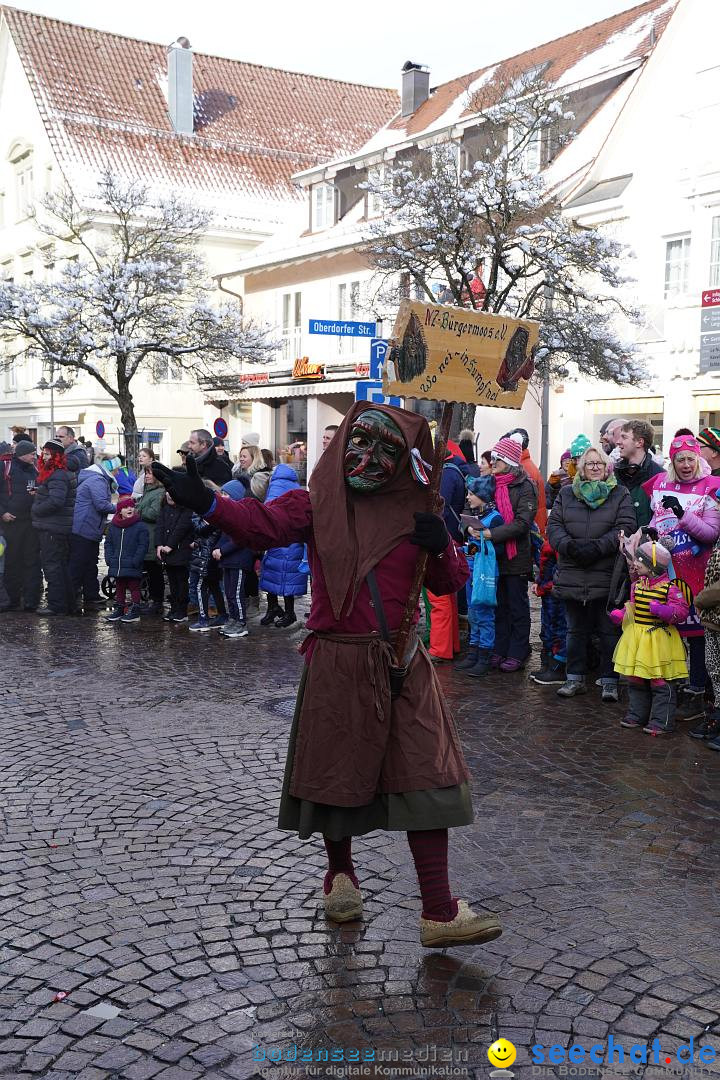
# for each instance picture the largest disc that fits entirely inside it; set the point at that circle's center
(102, 98)
(585, 53)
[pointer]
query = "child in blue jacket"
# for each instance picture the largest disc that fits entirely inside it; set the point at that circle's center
(126, 546)
(235, 561)
(481, 617)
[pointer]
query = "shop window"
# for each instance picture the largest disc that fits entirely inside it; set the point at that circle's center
(677, 267)
(291, 326)
(714, 276)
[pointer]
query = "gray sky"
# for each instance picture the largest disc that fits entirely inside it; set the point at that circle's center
(362, 42)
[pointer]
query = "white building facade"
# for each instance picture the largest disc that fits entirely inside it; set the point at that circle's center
(75, 101)
(645, 88)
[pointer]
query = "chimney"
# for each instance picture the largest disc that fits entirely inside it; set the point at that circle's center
(180, 86)
(415, 86)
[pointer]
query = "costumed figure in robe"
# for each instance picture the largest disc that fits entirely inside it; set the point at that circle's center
(363, 756)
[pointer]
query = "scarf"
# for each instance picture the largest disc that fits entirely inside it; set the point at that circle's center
(593, 492)
(502, 499)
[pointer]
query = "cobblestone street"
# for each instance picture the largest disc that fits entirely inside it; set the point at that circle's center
(144, 878)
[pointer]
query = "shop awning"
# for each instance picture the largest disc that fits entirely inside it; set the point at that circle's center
(707, 402)
(619, 406)
(269, 391)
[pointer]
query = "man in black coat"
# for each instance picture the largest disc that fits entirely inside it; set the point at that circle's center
(209, 465)
(75, 454)
(23, 577)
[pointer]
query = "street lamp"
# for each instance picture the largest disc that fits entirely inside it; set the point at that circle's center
(60, 384)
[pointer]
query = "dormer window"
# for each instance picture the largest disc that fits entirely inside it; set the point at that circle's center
(322, 198)
(21, 157)
(526, 149)
(377, 176)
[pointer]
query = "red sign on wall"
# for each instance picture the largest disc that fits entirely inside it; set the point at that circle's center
(711, 298)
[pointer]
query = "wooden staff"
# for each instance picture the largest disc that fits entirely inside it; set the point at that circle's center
(441, 438)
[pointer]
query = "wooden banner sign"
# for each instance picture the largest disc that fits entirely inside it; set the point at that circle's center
(455, 354)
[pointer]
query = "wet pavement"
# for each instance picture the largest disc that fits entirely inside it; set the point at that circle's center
(144, 878)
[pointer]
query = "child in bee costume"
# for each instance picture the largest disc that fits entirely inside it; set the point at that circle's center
(650, 653)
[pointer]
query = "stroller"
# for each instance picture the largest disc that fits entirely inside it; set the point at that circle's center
(107, 588)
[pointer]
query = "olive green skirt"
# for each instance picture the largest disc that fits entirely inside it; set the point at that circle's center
(441, 808)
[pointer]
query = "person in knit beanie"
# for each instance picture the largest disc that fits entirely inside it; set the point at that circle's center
(709, 440)
(516, 501)
(126, 545)
(535, 475)
(23, 576)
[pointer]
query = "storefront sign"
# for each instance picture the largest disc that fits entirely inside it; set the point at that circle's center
(303, 369)
(255, 378)
(342, 328)
(362, 371)
(452, 354)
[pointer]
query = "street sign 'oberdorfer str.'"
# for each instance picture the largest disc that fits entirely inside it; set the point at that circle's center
(343, 328)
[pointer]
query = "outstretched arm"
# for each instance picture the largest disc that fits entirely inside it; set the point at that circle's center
(287, 520)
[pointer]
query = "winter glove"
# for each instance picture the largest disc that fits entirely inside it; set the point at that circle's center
(617, 616)
(588, 552)
(430, 533)
(671, 503)
(186, 489)
(572, 550)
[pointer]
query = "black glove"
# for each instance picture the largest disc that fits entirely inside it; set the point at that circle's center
(430, 533)
(572, 550)
(186, 489)
(671, 503)
(588, 552)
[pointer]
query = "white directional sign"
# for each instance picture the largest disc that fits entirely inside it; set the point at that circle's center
(709, 320)
(710, 352)
(709, 331)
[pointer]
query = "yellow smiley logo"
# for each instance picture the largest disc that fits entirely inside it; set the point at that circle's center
(502, 1053)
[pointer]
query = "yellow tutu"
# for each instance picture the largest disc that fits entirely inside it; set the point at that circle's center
(650, 652)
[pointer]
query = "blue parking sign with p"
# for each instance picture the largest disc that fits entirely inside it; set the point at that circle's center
(372, 390)
(378, 352)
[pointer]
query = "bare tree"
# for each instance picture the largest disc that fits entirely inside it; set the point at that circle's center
(127, 295)
(443, 217)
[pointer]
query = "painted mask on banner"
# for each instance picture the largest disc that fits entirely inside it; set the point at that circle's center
(374, 447)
